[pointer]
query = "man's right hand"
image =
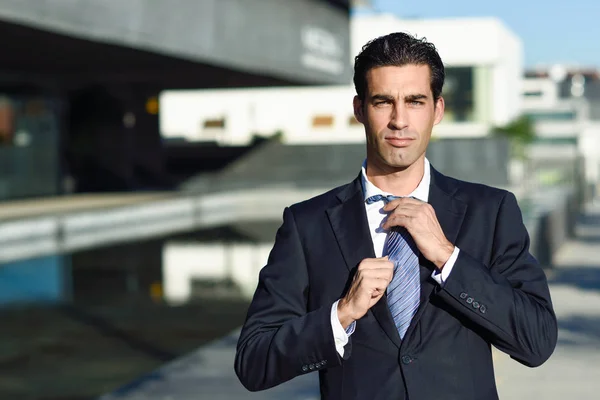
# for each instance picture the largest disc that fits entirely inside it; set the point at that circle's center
(368, 286)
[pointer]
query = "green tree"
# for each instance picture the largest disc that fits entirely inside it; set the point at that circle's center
(520, 132)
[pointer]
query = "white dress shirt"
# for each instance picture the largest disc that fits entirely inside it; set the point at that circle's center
(378, 235)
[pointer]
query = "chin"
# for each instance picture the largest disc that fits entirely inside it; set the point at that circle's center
(398, 164)
(400, 160)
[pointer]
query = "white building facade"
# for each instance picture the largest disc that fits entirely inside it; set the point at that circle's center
(484, 65)
(483, 62)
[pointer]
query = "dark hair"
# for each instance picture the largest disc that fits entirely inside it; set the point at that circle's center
(398, 49)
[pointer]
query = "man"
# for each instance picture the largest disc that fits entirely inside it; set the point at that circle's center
(396, 285)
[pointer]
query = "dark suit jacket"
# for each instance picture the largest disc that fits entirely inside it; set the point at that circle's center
(497, 294)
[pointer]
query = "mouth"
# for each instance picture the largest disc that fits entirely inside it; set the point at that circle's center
(399, 141)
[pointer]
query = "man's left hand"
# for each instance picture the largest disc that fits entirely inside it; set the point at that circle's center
(421, 222)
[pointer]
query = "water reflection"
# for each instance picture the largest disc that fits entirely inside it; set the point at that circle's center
(44, 280)
(211, 270)
(79, 325)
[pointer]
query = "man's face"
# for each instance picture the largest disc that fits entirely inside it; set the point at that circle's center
(398, 113)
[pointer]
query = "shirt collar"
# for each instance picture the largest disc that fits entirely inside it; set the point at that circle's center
(421, 192)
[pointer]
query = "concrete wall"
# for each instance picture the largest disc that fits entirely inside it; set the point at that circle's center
(552, 222)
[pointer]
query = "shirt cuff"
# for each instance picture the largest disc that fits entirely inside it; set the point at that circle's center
(340, 336)
(442, 276)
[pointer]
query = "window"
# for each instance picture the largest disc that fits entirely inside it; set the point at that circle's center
(7, 120)
(320, 121)
(459, 94)
(536, 93)
(214, 123)
(572, 140)
(29, 145)
(552, 116)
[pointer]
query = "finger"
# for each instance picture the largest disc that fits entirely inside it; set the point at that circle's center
(401, 201)
(374, 263)
(369, 260)
(374, 270)
(410, 213)
(406, 208)
(379, 284)
(397, 220)
(403, 213)
(383, 273)
(418, 208)
(375, 280)
(370, 277)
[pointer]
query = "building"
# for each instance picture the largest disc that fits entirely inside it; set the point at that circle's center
(564, 104)
(79, 80)
(482, 90)
(483, 70)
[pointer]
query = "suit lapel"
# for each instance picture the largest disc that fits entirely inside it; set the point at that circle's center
(450, 213)
(350, 225)
(351, 228)
(450, 210)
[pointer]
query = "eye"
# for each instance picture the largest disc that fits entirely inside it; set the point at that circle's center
(380, 103)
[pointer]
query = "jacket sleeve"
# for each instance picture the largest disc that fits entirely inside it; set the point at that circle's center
(508, 302)
(280, 339)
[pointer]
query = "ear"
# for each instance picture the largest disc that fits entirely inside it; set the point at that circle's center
(358, 109)
(439, 110)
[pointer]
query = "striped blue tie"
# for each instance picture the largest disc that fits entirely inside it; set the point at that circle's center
(403, 292)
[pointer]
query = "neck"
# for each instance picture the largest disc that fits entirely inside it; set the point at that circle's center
(397, 181)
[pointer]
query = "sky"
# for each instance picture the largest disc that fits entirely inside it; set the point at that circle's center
(552, 31)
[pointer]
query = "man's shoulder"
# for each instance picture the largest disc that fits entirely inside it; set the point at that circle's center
(479, 192)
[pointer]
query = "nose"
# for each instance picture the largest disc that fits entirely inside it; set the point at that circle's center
(399, 118)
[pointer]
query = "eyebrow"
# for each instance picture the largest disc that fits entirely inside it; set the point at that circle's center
(415, 97)
(382, 97)
(408, 98)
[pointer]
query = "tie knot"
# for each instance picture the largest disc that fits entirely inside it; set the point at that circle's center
(379, 197)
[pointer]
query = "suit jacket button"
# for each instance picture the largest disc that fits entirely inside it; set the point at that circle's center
(311, 367)
(463, 295)
(482, 309)
(469, 300)
(406, 360)
(475, 304)
(304, 368)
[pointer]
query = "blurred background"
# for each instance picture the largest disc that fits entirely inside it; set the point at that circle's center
(147, 150)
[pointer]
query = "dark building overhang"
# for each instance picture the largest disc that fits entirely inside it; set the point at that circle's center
(179, 43)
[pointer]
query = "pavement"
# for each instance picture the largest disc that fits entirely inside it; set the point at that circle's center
(572, 372)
